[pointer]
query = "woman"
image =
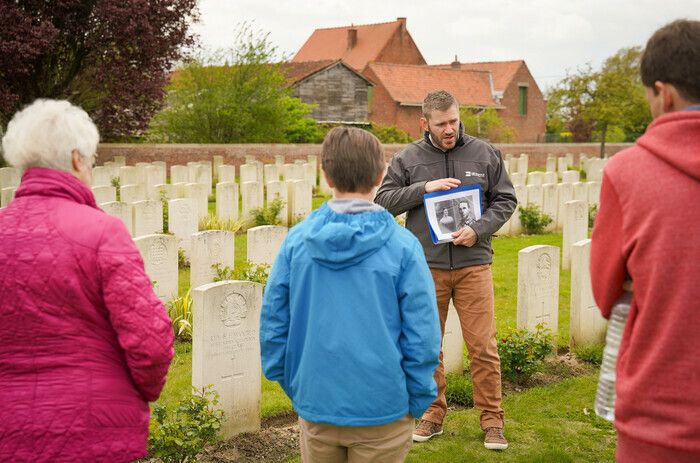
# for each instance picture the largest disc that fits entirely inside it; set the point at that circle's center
(85, 344)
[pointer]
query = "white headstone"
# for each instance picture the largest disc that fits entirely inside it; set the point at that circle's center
(131, 175)
(159, 253)
(587, 325)
(310, 173)
(562, 166)
(101, 176)
(575, 229)
(323, 185)
(517, 178)
(565, 193)
(200, 193)
(593, 192)
(179, 174)
(165, 189)
(183, 221)
(148, 217)
(227, 200)
(208, 248)
(264, 242)
(453, 343)
(155, 175)
(580, 192)
(271, 173)
(516, 227)
(523, 163)
(250, 198)
(104, 194)
(119, 160)
(550, 204)
(131, 193)
(570, 176)
(7, 195)
(551, 164)
(300, 200)
(535, 178)
(538, 287)
(279, 161)
(217, 161)
(226, 350)
(278, 190)
(227, 174)
(249, 173)
(122, 211)
(535, 195)
(550, 177)
(293, 172)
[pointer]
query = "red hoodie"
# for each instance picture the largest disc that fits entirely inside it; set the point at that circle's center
(648, 229)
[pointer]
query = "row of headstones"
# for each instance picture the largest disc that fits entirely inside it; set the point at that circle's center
(538, 301)
(208, 248)
(9, 181)
(557, 165)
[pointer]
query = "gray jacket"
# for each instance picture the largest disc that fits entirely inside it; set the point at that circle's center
(472, 161)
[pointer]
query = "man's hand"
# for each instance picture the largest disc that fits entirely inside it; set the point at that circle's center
(441, 184)
(465, 237)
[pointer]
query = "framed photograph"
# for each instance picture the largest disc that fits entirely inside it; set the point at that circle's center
(451, 210)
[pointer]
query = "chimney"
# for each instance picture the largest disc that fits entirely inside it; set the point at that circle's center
(403, 23)
(455, 64)
(352, 38)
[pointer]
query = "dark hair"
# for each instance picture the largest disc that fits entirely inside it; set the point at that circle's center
(672, 56)
(353, 159)
(439, 100)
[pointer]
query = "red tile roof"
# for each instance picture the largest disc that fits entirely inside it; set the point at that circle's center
(502, 71)
(332, 43)
(297, 71)
(408, 84)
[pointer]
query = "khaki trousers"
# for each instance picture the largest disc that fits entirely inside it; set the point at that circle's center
(325, 443)
(471, 289)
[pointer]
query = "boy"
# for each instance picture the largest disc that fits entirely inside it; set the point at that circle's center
(349, 324)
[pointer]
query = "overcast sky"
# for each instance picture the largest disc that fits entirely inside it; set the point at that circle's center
(552, 36)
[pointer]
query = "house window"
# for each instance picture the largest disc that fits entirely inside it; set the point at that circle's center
(522, 100)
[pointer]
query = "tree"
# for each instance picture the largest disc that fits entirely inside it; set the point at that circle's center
(610, 102)
(487, 124)
(111, 58)
(244, 100)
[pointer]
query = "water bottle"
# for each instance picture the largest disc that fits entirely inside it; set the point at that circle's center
(605, 395)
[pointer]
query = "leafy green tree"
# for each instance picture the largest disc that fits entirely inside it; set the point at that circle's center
(608, 104)
(244, 100)
(486, 124)
(390, 134)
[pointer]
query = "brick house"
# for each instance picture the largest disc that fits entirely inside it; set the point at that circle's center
(373, 49)
(340, 92)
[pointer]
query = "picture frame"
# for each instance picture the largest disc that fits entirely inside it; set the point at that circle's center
(450, 210)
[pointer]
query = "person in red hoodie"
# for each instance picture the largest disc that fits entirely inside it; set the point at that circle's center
(85, 343)
(647, 231)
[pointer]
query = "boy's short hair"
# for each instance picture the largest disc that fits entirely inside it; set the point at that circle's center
(672, 56)
(439, 100)
(353, 159)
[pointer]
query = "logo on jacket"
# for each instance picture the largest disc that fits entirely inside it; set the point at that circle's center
(474, 174)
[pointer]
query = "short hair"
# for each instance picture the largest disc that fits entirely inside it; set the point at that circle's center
(353, 159)
(439, 100)
(672, 56)
(45, 133)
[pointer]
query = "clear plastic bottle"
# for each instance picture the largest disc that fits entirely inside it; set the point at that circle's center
(605, 395)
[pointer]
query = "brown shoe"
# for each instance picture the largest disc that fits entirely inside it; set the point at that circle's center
(425, 430)
(494, 439)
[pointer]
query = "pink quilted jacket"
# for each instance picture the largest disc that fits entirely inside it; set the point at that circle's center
(84, 342)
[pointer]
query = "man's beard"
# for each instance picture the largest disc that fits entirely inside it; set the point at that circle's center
(437, 141)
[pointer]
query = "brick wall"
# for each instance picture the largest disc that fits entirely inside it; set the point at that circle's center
(401, 49)
(529, 128)
(235, 154)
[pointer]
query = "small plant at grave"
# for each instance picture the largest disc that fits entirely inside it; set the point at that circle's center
(180, 436)
(268, 214)
(533, 220)
(592, 213)
(212, 222)
(116, 183)
(459, 390)
(182, 260)
(164, 201)
(247, 271)
(523, 352)
(180, 313)
(592, 353)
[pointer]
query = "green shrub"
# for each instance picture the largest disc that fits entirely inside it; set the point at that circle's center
(592, 213)
(179, 437)
(180, 313)
(592, 354)
(246, 271)
(458, 390)
(533, 220)
(116, 183)
(523, 352)
(212, 222)
(268, 214)
(182, 260)
(390, 134)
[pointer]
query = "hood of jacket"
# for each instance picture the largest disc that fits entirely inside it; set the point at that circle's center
(40, 181)
(675, 139)
(339, 240)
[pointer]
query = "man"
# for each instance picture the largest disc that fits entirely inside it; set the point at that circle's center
(646, 231)
(444, 159)
(467, 216)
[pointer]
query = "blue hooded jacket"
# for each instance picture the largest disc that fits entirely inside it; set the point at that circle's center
(349, 324)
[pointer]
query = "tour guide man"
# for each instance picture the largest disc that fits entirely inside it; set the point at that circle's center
(447, 158)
